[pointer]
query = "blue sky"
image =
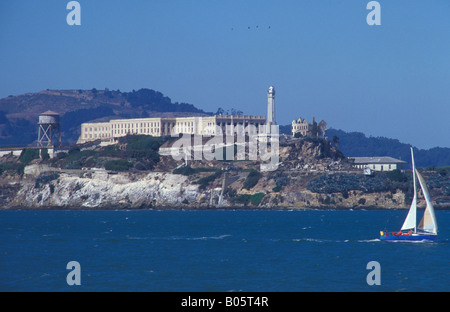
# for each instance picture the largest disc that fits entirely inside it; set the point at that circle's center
(391, 80)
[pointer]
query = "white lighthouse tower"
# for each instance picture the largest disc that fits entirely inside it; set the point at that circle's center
(270, 109)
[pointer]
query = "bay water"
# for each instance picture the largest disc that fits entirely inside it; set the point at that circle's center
(217, 250)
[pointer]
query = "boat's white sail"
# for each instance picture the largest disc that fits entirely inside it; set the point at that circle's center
(428, 222)
(411, 218)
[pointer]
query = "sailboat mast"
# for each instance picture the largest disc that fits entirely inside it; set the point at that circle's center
(414, 183)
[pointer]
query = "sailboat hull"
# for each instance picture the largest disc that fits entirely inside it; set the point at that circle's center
(414, 237)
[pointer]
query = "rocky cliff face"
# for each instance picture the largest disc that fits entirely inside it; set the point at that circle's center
(311, 174)
(101, 190)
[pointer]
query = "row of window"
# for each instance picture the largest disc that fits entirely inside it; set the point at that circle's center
(86, 129)
(121, 131)
(184, 130)
(142, 131)
(389, 167)
(95, 135)
(122, 126)
(186, 123)
(132, 125)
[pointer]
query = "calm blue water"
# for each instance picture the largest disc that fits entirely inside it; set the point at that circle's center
(217, 251)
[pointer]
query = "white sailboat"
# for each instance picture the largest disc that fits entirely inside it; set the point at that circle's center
(427, 228)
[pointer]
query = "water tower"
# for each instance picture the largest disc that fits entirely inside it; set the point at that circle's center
(49, 127)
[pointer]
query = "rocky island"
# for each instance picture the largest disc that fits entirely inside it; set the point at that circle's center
(137, 174)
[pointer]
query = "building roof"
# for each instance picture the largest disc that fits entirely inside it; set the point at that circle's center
(299, 121)
(49, 113)
(377, 160)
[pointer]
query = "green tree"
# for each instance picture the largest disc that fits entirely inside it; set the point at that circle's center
(252, 179)
(28, 155)
(44, 154)
(336, 140)
(396, 175)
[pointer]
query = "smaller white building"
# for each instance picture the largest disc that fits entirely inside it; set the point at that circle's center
(300, 126)
(306, 129)
(383, 163)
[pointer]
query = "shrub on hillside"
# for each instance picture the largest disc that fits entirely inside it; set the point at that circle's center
(28, 155)
(209, 179)
(252, 179)
(118, 165)
(246, 199)
(396, 175)
(44, 154)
